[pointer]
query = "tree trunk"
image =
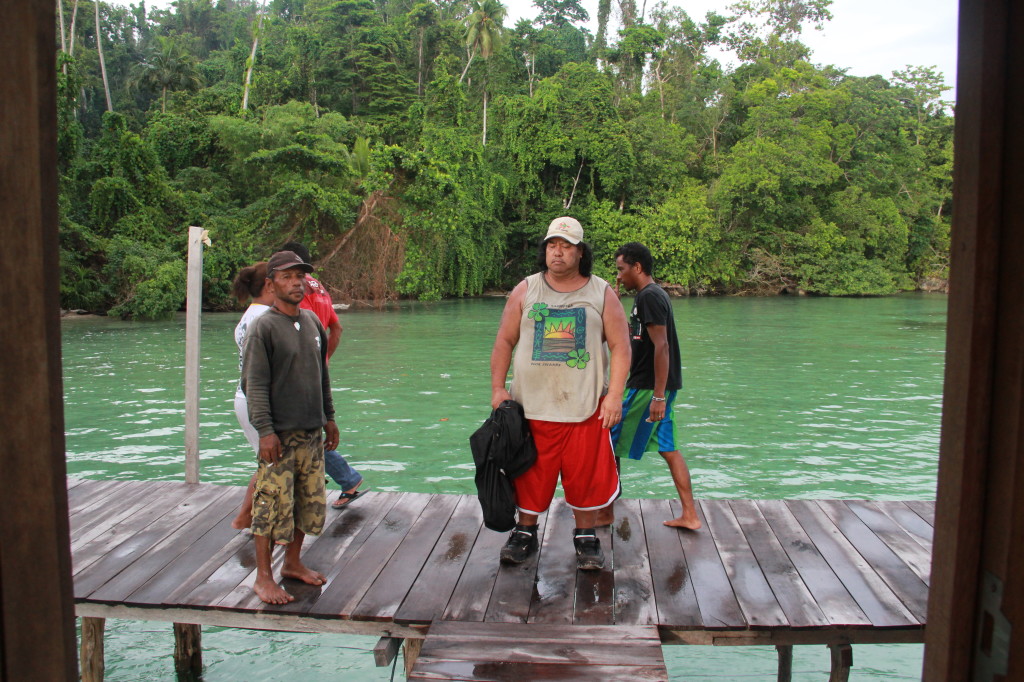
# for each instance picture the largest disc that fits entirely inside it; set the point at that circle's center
(163, 100)
(485, 114)
(419, 71)
(471, 55)
(99, 49)
(252, 59)
(74, 15)
(63, 42)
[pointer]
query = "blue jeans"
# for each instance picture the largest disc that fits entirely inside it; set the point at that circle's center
(340, 470)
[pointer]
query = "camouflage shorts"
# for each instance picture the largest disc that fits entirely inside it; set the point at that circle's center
(291, 493)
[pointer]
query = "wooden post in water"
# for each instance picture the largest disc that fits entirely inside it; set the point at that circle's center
(92, 649)
(188, 654)
(785, 652)
(193, 310)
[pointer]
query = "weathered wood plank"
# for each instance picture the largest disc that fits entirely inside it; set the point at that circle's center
(434, 586)
(473, 591)
(555, 588)
(924, 509)
(633, 599)
(513, 585)
(910, 589)
(341, 596)
(507, 651)
(754, 594)
(544, 643)
(81, 496)
(910, 521)
(595, 590)
(718, 605)
(105, 509)
(133, 546)
(896, 538)
(792, 594)
(872, 594)
(155, 559)
(388, 591)
(831, 596)
(674, 595)
(187, 569)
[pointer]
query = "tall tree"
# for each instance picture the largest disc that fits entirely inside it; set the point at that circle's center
(422, 16)
(484, 32)
(167, 66)
(252, 56)
(99, 50)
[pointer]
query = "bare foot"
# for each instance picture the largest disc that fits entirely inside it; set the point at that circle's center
(306, 575)
(683, 522)
(270, 592)
(243, 520)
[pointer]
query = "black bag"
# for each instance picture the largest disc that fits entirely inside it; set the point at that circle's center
(502, 449)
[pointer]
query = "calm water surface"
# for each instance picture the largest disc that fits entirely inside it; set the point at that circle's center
(782, 398)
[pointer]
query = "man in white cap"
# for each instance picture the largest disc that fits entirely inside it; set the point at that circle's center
(558, 321)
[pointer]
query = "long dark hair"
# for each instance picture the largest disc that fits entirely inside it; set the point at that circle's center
(586, 258)
(249, 281)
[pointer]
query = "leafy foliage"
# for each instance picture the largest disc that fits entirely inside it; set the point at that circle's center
(420, 148)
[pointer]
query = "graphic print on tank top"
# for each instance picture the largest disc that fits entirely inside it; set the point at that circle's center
(559, 335)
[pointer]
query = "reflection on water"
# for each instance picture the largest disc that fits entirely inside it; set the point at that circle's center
(782, 398)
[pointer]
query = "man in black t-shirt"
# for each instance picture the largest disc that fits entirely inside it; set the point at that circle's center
(655, 375)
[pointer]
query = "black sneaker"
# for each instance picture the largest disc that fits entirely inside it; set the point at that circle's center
(522, 542)
(589, 556)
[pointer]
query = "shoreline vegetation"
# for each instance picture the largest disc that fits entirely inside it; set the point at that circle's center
(419, 149)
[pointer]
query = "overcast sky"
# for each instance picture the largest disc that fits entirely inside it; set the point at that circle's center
(867, 37)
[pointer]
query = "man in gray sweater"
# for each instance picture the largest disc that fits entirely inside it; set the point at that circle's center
(285, 381)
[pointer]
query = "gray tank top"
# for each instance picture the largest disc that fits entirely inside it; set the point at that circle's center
(560, 368)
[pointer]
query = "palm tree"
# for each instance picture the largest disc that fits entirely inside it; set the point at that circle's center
(484, 32)
(167, 67)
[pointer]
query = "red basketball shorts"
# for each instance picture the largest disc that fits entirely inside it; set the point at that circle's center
(582, 453)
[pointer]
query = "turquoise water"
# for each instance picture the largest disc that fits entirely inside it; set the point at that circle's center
(782, 398)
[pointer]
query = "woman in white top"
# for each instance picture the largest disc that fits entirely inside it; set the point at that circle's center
(249, 285)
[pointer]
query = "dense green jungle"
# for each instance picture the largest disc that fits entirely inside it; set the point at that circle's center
(421, 147)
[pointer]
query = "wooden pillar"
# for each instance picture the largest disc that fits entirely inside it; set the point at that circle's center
(188, 649)
(193, 329)
(93, 665)
(842, 661)
(37, 616)
(976, 602)
(410, 652)
(785, 652)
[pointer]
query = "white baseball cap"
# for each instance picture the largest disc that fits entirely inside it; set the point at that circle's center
(567, 228)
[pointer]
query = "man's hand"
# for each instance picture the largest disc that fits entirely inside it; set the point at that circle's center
(331, 440)
(270, 448)
(498, 396)
(657, 410)
(611, 411)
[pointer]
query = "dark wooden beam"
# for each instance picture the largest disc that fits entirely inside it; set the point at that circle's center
(980, 499)
(37, 635)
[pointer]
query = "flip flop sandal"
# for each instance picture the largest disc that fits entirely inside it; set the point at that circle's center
(347, 496)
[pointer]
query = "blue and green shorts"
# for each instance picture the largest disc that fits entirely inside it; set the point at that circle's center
(634, 435)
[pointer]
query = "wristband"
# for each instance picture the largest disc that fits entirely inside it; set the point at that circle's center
(657, 399)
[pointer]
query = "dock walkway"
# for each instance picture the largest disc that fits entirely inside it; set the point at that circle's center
(761, 572)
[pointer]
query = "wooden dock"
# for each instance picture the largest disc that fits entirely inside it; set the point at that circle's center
(761, 572)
